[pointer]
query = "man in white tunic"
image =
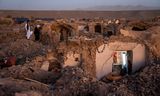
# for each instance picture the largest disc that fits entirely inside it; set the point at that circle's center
(28, 30)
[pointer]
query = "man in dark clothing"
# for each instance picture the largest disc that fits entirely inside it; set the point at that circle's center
(37, 33)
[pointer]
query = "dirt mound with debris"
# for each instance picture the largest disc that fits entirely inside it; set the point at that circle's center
(155, 40)
(25, 47)
(75, 83)
(143, 83)
(138, 25)
(22, 47)
(13, 87)
(26, 79)
(6, 21)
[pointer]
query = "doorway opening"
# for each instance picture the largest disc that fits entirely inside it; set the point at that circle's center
(98, 28)
(122, 63)
(110, 33)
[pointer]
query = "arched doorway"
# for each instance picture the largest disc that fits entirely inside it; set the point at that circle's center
(66, 31)
(98, 28)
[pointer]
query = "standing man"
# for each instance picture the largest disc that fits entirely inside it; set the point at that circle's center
(37, 33)
(27, 27)
(28, 30)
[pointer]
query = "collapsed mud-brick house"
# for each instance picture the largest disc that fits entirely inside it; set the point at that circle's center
(104, 29)
(120, 58)
(99, 59)
(57, 32)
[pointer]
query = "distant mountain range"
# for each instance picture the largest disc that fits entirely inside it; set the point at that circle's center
(120, 8)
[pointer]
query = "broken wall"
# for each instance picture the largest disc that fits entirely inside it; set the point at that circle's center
(135, 34)
(139, 57)
(104, 60)
(72, 59)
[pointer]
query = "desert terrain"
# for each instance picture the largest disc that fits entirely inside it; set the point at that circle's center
(80, 53)
(82, 14)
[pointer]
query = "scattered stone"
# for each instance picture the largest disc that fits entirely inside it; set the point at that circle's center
(45, 66)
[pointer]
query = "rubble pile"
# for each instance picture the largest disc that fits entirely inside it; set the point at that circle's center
(20, 46)
(28, 78)
(75, 82)
(21, 72)
(13, 87)
(22, 49)
(155, 40)
(40, 71)
(139, 25)
(145, 82)
(6, 21)
(7, 35)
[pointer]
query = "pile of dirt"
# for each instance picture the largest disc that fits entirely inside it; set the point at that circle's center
(74, 82)
(142, 83)
(6, 21)
(22, 79)
(139, 25)
(155, 41)
(8, 35)
(25, 47)
(22, 48)
(29, 70)
(13, 87)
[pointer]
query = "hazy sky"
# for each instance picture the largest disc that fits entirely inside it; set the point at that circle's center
(69, 4)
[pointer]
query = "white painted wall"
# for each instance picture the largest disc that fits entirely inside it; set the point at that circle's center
(103, 62)
(103, 68)
(139, 57)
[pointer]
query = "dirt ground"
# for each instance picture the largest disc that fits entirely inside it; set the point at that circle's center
(143, 14)
(29, 78)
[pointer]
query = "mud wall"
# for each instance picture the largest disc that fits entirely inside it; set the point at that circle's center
(139, 57)
(135, 34)
(72, 59)
(88, 61)
(104, 61)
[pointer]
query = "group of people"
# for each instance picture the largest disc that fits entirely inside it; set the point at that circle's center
(37, 32)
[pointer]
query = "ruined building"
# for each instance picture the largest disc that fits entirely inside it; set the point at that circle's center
(99, 59)
(78, 45)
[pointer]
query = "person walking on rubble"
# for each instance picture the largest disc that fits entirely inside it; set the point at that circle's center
(28, 30)
(27, 27)
(37, 33)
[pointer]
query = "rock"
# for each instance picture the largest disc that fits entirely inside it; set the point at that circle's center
(30, 93)
(20, 94)
(39, 58)
(10, 61)
(50, 56)
(45, 66)
(2, 54)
